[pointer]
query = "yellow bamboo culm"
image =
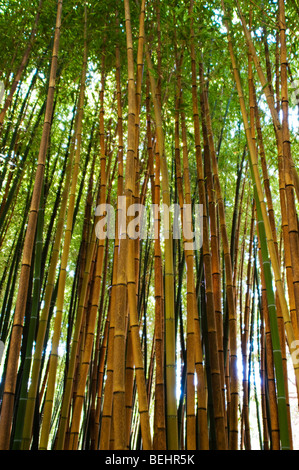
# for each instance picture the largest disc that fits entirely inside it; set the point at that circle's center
(108, 395)
(95, 295)
(149, 229)
(43, 320)
(126, 282)
(54, 355)
(171, 412)
(271, 245)
(186, 221)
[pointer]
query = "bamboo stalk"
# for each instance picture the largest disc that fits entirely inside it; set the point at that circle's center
(217, 397)
(269, 365)
(43, 319)
(108, 395)
(287, 168)
(127, 282)
(63, 270)
(199, 364)
(261, 202)
(245, 338)
(211, 200)
(10, 382)
(233, 418)
(95, 295)
(191, 299)
(171, 410)
(32, 327)
(159, 438)
(272, 222)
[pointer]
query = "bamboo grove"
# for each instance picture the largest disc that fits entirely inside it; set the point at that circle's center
(152, 342)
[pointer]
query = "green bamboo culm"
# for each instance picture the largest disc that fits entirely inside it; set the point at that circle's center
(277, 355)
(32, 328)
(257, 322)
(262, 220)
